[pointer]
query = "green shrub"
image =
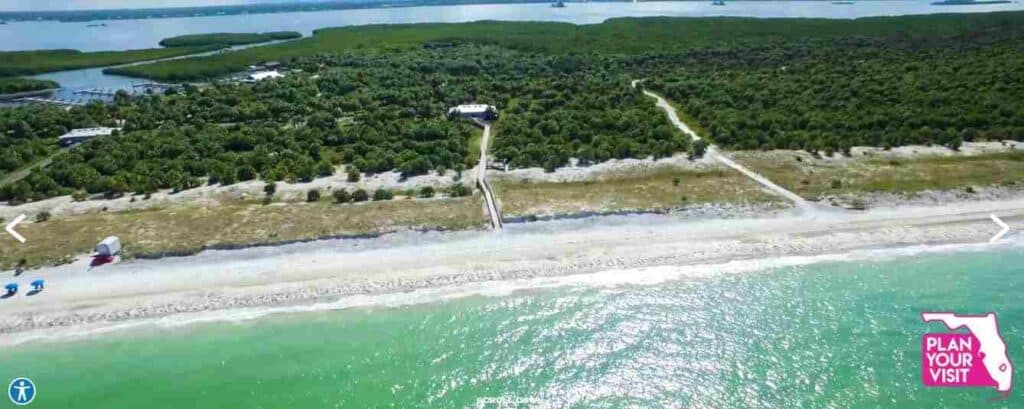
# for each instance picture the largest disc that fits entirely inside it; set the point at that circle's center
(341, 196)
(43, 216)
(427, 192)
(459, 190)
(360, 195)
(382, 194)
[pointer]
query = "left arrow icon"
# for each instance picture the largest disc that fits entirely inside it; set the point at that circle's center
(10, 228)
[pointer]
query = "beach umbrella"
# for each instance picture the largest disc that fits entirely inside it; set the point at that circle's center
(38, 284)
(11, 288)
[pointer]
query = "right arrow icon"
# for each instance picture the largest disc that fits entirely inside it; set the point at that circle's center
(10, 228)
(1001, 232)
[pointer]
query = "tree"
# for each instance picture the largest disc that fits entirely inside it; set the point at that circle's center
(427, 192)
(698, 147)
(313, 195)
(341, 196)
(458, 190)
(352, 174)
(382, 194)
(324, 169)
(360, 195)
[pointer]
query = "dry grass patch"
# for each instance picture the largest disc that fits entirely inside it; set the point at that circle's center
(189, 227)
(661, 188)
(813, 177)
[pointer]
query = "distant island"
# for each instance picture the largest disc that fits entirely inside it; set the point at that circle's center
(175, 12)
(969, 2)
(227, 39)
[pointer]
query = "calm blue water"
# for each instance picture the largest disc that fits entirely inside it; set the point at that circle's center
(132, 34)
(840, 334)
(75, 81)
(51, 5)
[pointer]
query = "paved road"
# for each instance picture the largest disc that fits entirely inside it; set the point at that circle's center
(713, 152)
(481, 181)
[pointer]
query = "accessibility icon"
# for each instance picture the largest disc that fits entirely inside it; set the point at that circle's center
(21, 391)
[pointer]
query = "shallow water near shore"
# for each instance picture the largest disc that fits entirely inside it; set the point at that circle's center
(840, 334)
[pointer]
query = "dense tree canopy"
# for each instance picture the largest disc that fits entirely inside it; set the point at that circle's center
(373, 112)
(385, 109)
(833, 96)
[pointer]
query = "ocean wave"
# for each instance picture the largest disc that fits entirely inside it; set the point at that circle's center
(613, 278)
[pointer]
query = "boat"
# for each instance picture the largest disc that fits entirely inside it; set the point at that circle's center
(842, 2)
(558, 4)
(718, 3)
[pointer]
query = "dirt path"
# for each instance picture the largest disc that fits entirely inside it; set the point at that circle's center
(713, 152)
(481, 181)
(25, 171)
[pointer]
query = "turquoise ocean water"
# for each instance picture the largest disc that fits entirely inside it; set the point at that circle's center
(835, 334)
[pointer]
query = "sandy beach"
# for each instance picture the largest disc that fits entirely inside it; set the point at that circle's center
(80, 298)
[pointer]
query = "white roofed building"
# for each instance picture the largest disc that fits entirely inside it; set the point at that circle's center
(83, 134)
(480, 111)
(264, 75)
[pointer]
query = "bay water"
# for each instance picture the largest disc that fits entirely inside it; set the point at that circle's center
(147, 33)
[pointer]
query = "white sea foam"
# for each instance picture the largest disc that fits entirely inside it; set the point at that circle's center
(613, 278)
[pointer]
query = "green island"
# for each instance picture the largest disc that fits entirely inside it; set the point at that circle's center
(618, 36)
(227, 39)
(15, 63)
(20, 63)
(820, 106)
(16, 85)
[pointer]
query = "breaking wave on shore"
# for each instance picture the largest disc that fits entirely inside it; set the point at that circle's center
(606, 279)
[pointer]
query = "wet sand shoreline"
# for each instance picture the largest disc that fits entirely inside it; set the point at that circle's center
(78, 298)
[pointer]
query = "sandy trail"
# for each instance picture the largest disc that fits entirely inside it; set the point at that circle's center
(298, 274)
(493, 215)
(713, 152)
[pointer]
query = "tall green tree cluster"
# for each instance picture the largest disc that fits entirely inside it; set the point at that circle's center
(829, 96)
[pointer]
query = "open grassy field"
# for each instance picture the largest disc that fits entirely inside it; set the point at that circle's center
(813, 178)
(662, 188)
(14, 63)
(615, 36)
(189, 227)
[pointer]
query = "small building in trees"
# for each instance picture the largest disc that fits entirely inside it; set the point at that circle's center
(84, 134)
(478, 111)
(264, 75)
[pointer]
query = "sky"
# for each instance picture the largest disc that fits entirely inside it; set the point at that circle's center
(51, 5)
